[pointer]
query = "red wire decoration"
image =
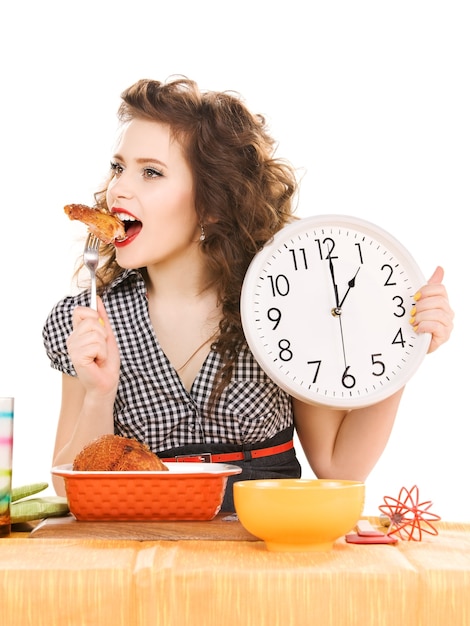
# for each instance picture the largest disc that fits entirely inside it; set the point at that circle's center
(409, 518)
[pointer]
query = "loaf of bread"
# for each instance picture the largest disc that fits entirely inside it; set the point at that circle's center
(112, 453)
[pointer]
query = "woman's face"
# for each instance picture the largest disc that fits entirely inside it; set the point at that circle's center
(152, 192)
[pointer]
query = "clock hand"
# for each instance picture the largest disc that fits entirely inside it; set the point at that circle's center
(351, 284)
(342, 341)
(336, 310)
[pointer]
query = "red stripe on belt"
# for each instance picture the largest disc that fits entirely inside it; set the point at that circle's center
(208, 457)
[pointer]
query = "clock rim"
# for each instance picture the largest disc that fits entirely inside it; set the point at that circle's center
(289, 230)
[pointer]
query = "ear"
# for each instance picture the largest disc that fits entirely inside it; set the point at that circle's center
(209, 219)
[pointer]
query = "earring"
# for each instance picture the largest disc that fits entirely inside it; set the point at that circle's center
(203, 234)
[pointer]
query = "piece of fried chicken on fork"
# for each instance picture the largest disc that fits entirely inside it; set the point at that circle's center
(106, 226)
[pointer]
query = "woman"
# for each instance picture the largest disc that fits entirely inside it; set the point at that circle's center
(164, 360)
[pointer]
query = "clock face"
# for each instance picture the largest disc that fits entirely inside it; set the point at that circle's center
(326, 307)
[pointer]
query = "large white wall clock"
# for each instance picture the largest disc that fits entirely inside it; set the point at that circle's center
(325, 309)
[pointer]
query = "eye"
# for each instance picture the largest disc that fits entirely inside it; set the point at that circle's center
(150, 172)
(116, 168)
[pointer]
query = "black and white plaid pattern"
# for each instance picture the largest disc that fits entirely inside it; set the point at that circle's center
(152, 405)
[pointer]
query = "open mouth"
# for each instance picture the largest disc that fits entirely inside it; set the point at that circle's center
(132, 225)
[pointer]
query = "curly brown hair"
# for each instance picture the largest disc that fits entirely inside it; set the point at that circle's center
(243, 194)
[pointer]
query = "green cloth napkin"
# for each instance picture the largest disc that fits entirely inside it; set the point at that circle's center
(38, 508)
(26, 509)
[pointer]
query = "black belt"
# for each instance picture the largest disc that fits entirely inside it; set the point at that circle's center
(209, 457)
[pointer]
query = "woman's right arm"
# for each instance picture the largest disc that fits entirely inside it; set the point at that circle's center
(88, 398)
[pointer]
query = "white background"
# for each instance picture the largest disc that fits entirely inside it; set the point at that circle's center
(369, 100)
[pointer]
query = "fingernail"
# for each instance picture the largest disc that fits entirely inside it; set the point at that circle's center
(415, 328)
(417, 296)
(413, 311)
(412, 320)
(101, 322)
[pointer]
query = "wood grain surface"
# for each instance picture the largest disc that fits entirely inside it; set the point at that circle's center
(224, 527)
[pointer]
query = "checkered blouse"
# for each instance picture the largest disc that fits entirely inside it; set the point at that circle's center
(152, 404)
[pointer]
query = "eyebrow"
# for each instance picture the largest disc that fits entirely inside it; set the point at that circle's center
(142, 161)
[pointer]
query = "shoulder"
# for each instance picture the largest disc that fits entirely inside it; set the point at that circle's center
(60, 316)
(126, 282)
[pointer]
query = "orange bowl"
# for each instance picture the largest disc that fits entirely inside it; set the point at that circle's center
(187, 491)
(295, 515)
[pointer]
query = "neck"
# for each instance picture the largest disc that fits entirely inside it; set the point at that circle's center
(177, 281)
(175, 296)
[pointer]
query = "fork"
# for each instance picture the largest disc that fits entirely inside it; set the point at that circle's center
(90, 260)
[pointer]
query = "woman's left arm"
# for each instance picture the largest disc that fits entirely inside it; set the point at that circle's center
(348, 444)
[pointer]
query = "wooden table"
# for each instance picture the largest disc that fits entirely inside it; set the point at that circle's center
(60, 581)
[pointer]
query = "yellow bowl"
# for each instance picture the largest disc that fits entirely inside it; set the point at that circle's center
(297, 515)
